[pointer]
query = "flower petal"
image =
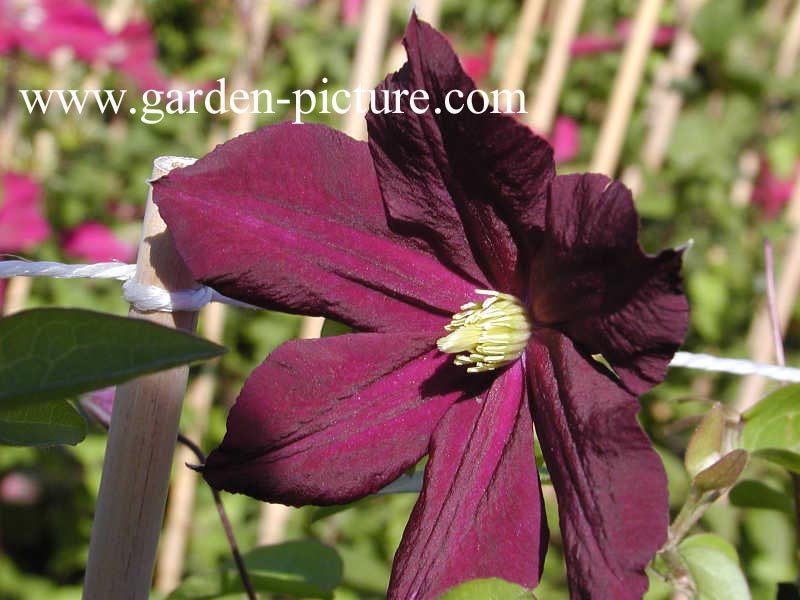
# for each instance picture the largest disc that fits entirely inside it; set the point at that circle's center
(97, 243)
(22, 224)
(610, 483)
(290, 217)
(330, 420)
(465, 183)
(591, 280)
(480, 513)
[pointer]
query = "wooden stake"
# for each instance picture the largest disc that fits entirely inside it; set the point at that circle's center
(178, 521)
(142, 436)
(427, 10)
(548, 90)
(528, 27)
(790, 47)
(17, 291)
(369, 54)
(629, 76)
(666, 102)
(199, 396)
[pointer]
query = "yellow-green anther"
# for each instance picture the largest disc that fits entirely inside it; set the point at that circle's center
(488, 335)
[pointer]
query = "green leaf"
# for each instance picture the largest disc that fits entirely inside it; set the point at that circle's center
(716, 22)
(705, 445)
(488, 589)
(755, 494)
(772, 428)
(42, 424)
(300, 569)
(723, 473)
(710, 540)
(55, 353)
(716, 574)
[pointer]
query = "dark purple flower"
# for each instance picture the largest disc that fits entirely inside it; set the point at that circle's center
(443, 223)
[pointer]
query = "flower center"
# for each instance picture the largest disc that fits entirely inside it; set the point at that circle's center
(488, 335)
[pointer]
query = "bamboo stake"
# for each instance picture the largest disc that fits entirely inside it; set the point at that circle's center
(17, 291)
(629, 76)
(666, 102)
(790, 47)
(370, 49)
(142, 436)
(427, 10)
(528, 27)
(548, 89)
(178, 521)
(200, 394)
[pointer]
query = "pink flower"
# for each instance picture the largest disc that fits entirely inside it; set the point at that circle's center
(40, 27)
(565, 139)
(97, 243)
(22, 224)
(591, 43)
(134, 52)
(478, 64)
(771, 191)
(351, 11)
(99, 405)
(20, 489)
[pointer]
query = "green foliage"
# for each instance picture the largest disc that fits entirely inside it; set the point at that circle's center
(715, 569)
(772, 428)
(750, 493)
(43, 353)
(301, 569)
(42, 424)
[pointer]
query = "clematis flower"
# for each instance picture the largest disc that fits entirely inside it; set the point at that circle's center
(477, 65)
(41, 27)
(481, 287)
(565, 139)
(97, 243)
(771, 192)
(592, 43)
(351, 11)
(22, 224)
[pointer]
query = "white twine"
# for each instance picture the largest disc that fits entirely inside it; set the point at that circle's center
(148, 298)
(144, 298)
(735, 366)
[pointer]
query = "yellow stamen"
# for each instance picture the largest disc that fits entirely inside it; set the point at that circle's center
(488, 335)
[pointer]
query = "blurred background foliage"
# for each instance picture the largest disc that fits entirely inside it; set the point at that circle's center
(92, 168)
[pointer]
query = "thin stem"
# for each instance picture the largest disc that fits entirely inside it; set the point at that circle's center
(690, 513)
(772, 305)
(223, 516)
